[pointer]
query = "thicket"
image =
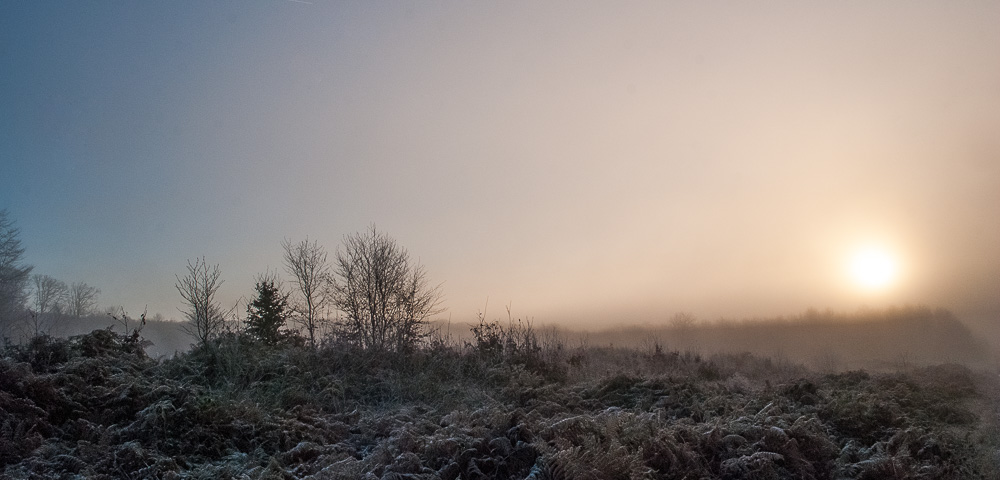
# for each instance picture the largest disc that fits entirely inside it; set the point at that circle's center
(505, 404)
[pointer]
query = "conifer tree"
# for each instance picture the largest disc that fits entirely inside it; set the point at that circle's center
(268, 312)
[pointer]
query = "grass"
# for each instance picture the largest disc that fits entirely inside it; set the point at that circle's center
(501, 405)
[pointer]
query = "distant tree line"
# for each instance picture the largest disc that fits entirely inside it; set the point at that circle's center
(371, 295)
(31, 303)
(381, 298)
(13, 275)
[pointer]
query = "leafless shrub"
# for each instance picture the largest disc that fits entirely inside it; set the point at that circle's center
(198, 288)
(515, 341)
(683, 321)
(307, 264)
(385, 300)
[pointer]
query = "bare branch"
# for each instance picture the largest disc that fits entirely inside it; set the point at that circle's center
(82, 299)
(14, 276)
(49, 295)
(385, 300)
(198, 288)
(307, 264)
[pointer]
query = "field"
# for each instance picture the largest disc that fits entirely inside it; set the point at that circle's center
(507, 403)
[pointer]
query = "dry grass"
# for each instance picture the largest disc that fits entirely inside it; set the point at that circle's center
(506, 406)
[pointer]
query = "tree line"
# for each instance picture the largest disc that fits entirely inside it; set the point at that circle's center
(381, 299)
(369, 293)
(30, 302)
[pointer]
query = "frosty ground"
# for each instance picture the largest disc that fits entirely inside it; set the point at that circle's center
(507, 406)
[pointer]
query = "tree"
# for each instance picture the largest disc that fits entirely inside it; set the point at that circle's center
(306, 262)
(82, 299)
(269, 311)
(48, 298)
(683, 321)
(49, 295)
(385, 300)
(198, 288)
(14, 275)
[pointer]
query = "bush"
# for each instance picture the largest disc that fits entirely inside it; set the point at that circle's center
(91, 407)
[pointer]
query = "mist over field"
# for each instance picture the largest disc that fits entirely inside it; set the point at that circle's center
(522, 240)
(826, 341)
(583, 163)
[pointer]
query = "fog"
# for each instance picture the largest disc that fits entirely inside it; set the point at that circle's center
(592, 166)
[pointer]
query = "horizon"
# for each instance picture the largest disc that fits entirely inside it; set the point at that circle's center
(578, 163)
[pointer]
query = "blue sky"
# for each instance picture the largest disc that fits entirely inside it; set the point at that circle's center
(582, 162)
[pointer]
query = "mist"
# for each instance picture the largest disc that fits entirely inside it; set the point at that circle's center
(514, 240)
(615, 165)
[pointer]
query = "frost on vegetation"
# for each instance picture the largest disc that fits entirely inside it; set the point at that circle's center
(96, 407)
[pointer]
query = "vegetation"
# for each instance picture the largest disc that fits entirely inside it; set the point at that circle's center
(198, 288)
(306, 262)
(82, 299)
(384, 396)
(385, 300)
(49, 295)
(890, 338)
(267, 313)
(14, 275)
(503, 405)
(33, 304)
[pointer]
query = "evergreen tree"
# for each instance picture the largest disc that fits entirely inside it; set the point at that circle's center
(268, 312)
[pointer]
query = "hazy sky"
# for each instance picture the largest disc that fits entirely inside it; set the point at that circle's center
(616, 161)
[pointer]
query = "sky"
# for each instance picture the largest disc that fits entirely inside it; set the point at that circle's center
(582, 163)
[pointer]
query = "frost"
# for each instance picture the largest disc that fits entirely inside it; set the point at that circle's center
(101, 410)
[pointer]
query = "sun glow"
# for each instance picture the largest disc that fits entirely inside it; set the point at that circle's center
(873, 268)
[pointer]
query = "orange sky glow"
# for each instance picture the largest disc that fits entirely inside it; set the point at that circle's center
(586, 163)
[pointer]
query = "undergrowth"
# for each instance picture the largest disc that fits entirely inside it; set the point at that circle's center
(504, 405)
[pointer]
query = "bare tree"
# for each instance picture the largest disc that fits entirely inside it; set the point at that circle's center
(683, 321)
(306, 262)
(14, 275)
(385, 300)
(82, 299)
(48, 299)
(48, 294)
(198, 289)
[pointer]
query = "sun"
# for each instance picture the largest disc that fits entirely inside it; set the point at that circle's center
(873, 268)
